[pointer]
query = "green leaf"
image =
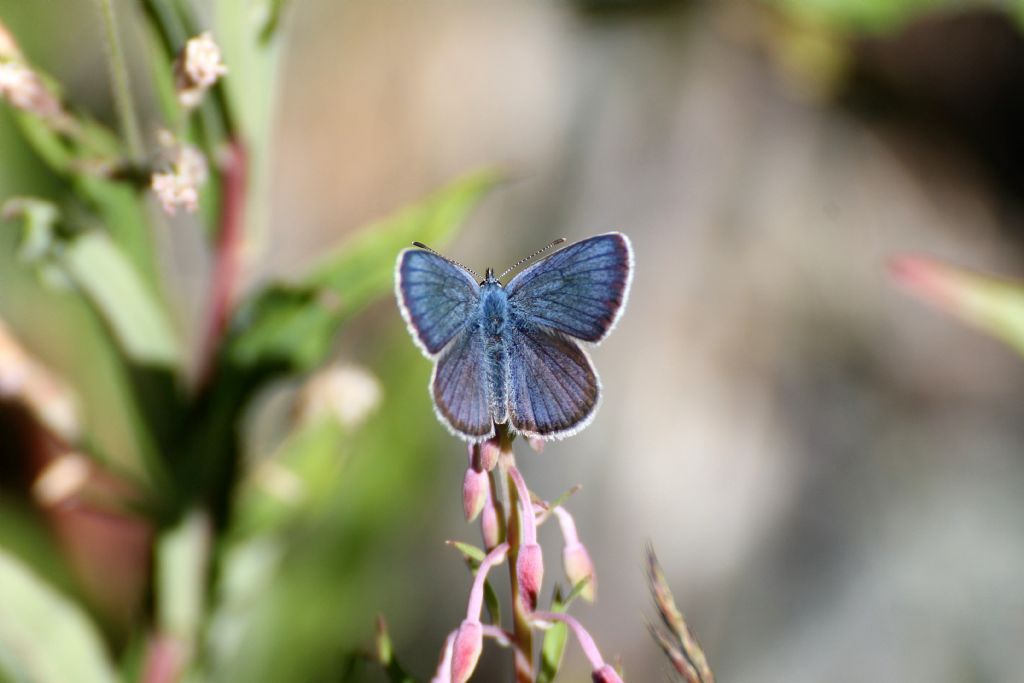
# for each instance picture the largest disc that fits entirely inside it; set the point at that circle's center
(294, 325)
(38, 218)
(576, 590)
(873, 16)
(994, 305)
(44, 637)
(386, 655)
(474, 556)
(364, 268)
(297, 480)
(123, 300)
(557, 503)
(555, 638)
(181, 562)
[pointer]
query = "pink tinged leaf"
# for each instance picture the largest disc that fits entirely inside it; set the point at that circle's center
(994, 305)
(444, 667)
(606, 674)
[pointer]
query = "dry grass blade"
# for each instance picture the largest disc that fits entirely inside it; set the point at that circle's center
(679, 645)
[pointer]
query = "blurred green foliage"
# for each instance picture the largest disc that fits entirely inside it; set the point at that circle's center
(876, 16)
(247, 583)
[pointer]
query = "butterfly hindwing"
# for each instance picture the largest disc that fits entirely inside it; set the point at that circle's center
(459, 385)
(553, 389)
(580, 290)
(436, 297)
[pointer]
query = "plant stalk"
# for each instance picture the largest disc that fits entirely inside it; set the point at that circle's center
(522, 633)
(120, 83)
(228, 257)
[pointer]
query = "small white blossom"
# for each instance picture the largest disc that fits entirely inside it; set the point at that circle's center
(17, 84)
(179, 185)
(347, 392)
(198, 68)
(23, 89)
(25, 380)
(61, 479)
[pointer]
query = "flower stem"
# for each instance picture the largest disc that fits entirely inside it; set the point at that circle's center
(522, 632)
(228, 257)
(121, 84)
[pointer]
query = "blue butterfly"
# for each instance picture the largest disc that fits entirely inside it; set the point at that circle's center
(511, 353)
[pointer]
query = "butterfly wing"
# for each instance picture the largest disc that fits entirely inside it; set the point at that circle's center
(580, 291)
(552, 388)
(459, 386)
(436, 298)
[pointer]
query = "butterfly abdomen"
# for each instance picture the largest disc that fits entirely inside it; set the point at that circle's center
(494, 324)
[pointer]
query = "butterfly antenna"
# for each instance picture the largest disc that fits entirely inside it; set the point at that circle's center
(531, 257)
(449, 260)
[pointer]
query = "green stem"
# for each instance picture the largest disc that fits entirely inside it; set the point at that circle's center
(120, 82)
(522, 633)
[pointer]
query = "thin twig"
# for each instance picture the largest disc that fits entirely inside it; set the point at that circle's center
(120, 83)
(522, 630)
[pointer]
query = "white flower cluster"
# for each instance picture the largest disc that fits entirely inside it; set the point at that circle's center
(348, 392)
(179, 185)
(17, 84)
(198, 68)
(20, 86)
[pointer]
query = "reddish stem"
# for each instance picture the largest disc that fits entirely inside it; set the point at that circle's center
(522, 633)
(228, 256)
(165, 660)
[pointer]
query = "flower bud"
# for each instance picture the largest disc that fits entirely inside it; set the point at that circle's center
(475, 486)
(530, 571)
(606, 674)
(490, 527)
(575, 558)
(197, 69)
(186, 171)
(469, 643)
(466, 650)
(578, 566)
(23, 89)
(488, 454)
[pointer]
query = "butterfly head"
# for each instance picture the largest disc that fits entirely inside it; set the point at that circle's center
(489, 278)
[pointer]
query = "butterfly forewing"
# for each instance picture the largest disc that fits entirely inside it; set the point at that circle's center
(459, 385)
(553, 389)
(437, 298)
(580, 290)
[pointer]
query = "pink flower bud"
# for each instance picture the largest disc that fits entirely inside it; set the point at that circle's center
(490, 527)
(489, 451)
(606, 674)
(475, 487)
(578, 566)
(575, 558)
(469, 643)
(530, 570)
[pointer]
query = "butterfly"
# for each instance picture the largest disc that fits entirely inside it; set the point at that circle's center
(511, 354)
